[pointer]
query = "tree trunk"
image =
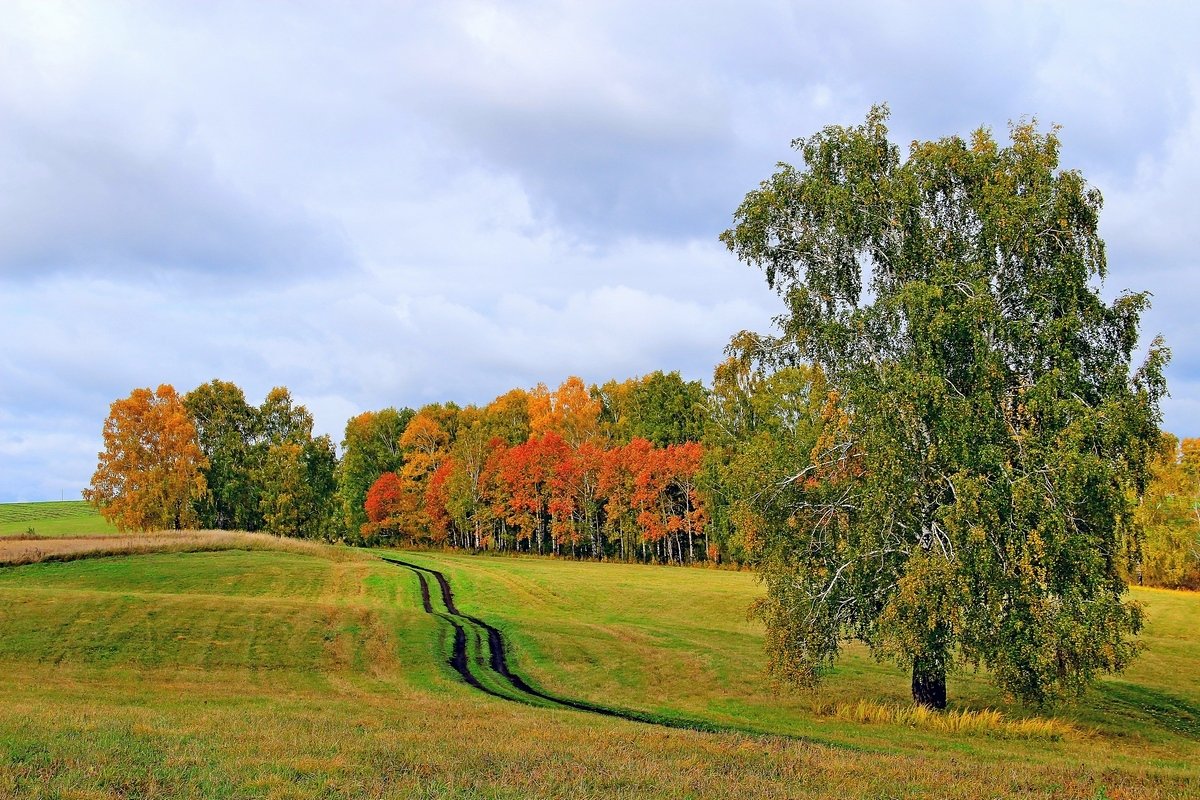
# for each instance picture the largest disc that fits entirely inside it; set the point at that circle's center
(929, 682)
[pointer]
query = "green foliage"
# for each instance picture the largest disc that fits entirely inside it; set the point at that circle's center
(976, 495)
(269, 472)
(281, 420)
(226, 427)
(763, 422)
(661, 408)
(470, 452)
(299, 489)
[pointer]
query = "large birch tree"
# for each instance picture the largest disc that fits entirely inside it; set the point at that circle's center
(975, 482)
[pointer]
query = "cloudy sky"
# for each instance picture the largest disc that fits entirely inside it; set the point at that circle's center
(395, 203)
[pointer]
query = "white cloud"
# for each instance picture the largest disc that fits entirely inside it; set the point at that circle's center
(1144, 210)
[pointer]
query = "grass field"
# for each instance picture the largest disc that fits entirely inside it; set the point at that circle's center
(290, 675)
(675, 641)
(54, 518)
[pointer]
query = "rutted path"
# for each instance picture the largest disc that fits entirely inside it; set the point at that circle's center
(459, 659)
(497, 661)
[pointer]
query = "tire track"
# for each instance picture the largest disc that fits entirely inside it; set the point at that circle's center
(459, 659)
(424, 592)
(498, 662)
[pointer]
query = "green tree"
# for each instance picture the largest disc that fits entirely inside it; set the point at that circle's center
(280, 420)
(226, 427)
(779, 420)
(467, 507)
(664, 409)
(294, 473)
(299, 489)
(978, 478)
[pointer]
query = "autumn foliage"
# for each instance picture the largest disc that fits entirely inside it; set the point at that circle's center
(383, 505)
(1169, 513)
(211, 460)
(149, 475)
(545, 496)
(612, 471)
(541, 472)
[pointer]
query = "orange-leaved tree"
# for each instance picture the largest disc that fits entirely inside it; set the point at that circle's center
(683, 462)
(425, 443)
(669, 510)
(616, 488)
(575, 505)
(570, 411)
(437, 498)
(149, 475)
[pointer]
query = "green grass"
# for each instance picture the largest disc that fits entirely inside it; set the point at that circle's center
(677, 642)
(259, 674)
(54, 518)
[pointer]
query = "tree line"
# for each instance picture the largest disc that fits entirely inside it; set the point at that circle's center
(209, 459)
(652, 468)
(601, 472)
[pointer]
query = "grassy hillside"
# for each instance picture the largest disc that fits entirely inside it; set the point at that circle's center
(281, 675)
(677, 642)
(54, 518)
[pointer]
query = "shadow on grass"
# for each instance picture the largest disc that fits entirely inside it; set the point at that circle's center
(1165, 710)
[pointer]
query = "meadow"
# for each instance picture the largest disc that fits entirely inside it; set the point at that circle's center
(53, 518)
(312, 673)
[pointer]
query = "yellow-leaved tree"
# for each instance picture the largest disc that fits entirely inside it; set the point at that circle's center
(150, 472)
(1169, 513)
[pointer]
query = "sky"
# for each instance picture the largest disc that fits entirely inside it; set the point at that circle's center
(380, 204)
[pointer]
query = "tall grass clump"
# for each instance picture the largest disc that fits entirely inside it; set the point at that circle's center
(985, 722)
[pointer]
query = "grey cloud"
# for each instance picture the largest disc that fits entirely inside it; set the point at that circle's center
(76, 202)
(639, 120)
(345, 344)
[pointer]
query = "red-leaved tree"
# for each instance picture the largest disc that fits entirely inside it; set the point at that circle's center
(384, 507)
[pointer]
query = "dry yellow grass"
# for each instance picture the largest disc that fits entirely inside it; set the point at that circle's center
(31, 549)
(989, 722)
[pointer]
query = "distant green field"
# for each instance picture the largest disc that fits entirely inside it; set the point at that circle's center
(53, 518)
(280, 675)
